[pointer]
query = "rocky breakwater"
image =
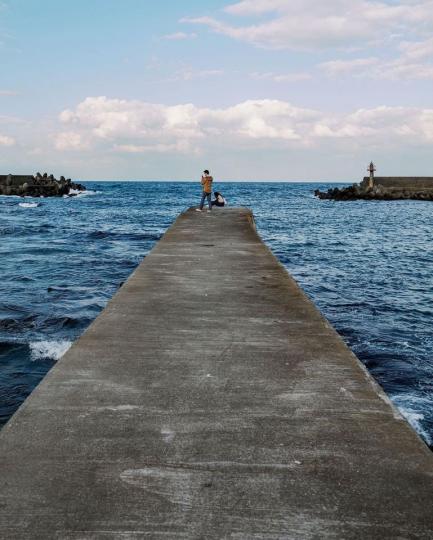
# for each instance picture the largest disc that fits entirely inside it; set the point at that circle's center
(386, 188)
(38, 186)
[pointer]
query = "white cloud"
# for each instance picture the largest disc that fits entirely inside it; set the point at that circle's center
(256, 7)
(134, 127)
(335, 68)
(408, 65)
(378, 125)
(401, 70)
(159, 148)
(395, 37)
(69, 140)
(183, 72)
(313, 24)
(188, 74)
(417, 50)
(281, 77)
(179, 36)
(7, 141)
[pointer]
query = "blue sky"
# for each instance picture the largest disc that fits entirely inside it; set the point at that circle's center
(254, 90)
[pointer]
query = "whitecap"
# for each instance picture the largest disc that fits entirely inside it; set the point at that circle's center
(79, 193)
(409, 407)
(53, 350)
(28, 204)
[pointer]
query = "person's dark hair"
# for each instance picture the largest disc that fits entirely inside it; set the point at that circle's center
(206, 171)
(216, 193)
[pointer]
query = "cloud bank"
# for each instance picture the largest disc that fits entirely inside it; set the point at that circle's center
(129, 126)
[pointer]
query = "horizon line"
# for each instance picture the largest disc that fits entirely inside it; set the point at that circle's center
(217, 181)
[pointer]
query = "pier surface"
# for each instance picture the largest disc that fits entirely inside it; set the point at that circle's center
(210, 399)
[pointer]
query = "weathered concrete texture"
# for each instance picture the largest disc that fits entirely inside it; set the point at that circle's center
(211, 400)
(415, 183)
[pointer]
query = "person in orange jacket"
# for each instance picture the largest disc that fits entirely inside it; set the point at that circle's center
(206, 182)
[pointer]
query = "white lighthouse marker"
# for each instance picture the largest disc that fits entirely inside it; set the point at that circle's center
(371, 169)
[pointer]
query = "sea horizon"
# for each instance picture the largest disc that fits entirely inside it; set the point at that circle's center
(232, 181)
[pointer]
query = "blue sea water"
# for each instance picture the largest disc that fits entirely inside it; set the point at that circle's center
(366, 264)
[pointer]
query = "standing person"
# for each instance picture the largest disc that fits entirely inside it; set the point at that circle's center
(206, 182)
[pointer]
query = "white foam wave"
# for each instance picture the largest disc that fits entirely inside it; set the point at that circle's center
(28, 204)
(409, 407)
(53, 350)
(78, 193)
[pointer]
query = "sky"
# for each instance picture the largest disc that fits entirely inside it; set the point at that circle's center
(296, 90)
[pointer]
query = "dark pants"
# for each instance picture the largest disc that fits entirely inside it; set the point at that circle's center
(207, 196)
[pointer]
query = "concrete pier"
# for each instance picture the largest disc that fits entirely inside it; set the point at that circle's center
(409, 183)
(211, 399)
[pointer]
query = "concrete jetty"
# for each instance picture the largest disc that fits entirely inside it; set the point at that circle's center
(211, 399)
(397, 183)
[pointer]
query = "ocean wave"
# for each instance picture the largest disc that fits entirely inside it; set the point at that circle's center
(26, 230)
(113, 235)
(33, 322)
(53, 350)
(410, 407)
(99, 234)
(19, 324)
(78, 193)
(28, 204)
(65, 322)
(7, 346)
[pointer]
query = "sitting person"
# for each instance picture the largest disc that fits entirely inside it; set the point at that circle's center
(219, 200)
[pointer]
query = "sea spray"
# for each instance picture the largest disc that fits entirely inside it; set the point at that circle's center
(52, 350)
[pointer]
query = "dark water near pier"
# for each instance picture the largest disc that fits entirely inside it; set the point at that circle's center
(367, 265)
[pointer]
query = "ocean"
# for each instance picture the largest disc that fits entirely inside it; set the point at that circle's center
(367, 265)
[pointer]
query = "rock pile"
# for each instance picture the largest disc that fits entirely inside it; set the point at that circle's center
(364, 191)
(38, 186)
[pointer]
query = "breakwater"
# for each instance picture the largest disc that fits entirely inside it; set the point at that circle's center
(410, 183)
(383, 188)
(211, 398)
(37, 186)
